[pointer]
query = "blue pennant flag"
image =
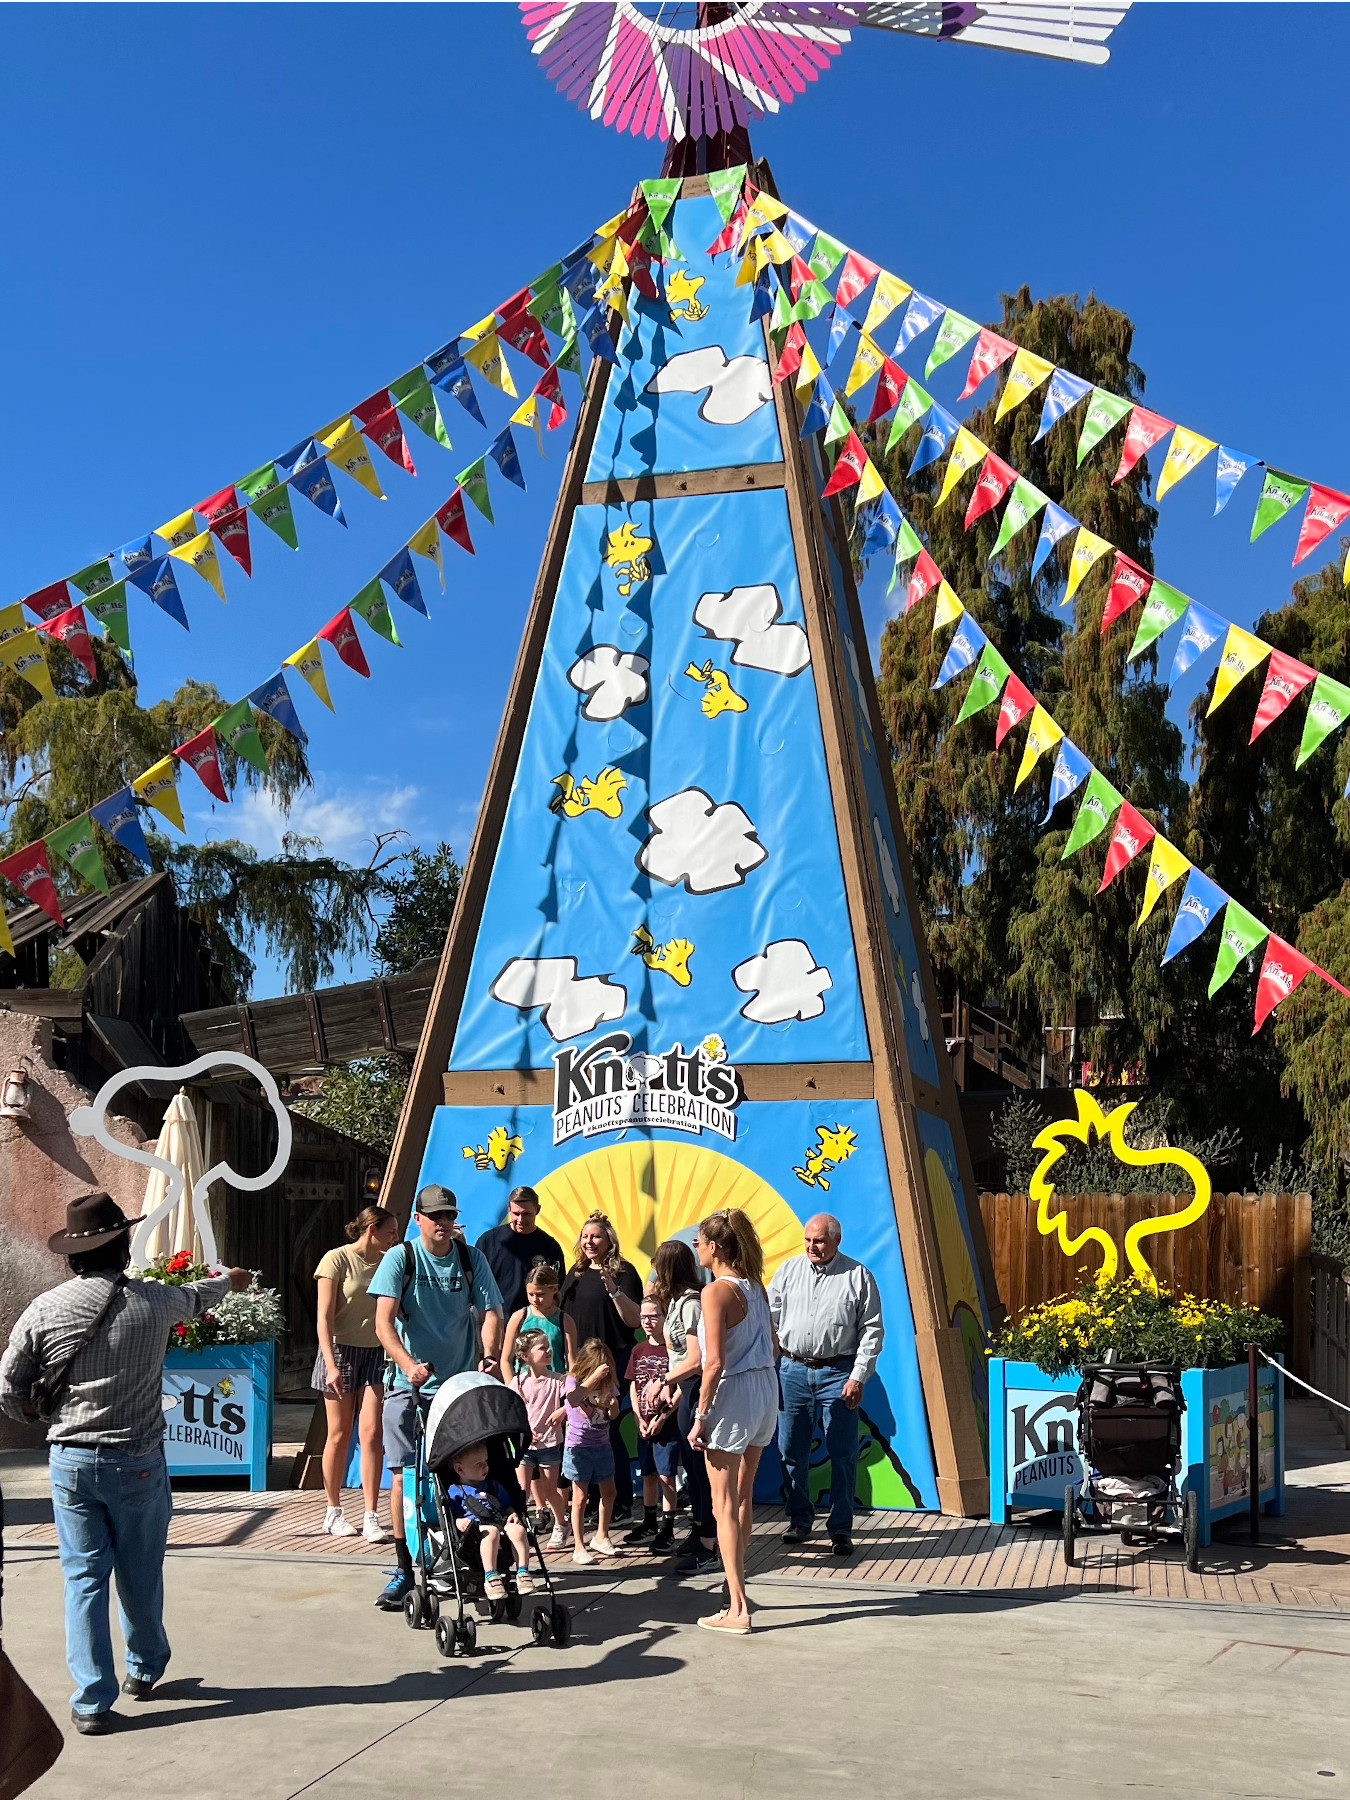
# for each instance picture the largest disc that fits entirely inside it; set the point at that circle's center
(761, 299)
(440, 360)
(300, 456)
(1063, 394)
(595, 324)
(841, 319)
(798, 231)
(1233, 465)
(402, 577)
(1055, 525)
(1201, 904)
(580, 282)
(881, 524)
(453, 378)
(818, 412)
(157, 579)
(120, 819)
(274, 699)
(919, 315)
(315, 482)
(939, 430)
(1072, 769)
(1203, 629)
(503, 452)
(962, 651)
(136, 554)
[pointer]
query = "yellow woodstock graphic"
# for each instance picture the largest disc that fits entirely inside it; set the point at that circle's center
(627, 556)
(499, 1150)
(670, 959)
(576, 797)
(1055, 1140)
(682, 296)
(835, 1144)
(718, 694)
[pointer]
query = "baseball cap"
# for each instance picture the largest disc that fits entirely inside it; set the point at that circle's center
(436, 1199)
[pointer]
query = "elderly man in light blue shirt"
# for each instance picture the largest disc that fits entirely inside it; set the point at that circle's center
(827, 1313)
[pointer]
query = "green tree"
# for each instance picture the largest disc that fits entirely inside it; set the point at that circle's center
(362, 1099)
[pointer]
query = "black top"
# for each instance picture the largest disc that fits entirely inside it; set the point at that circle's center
(586, 1301)
(512, 1254)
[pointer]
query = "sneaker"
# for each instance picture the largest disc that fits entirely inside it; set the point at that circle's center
(95, 1724)
(622, 1514)
(336, 1525)
(603, 1546)
(796, 1534)
(701, 1562)
(524, 1581)
(494, 1588)
(638, 1532)
(582, 1555)
(562, 1537)
(663, 1539)
(372, 1530)
(391, 1597)
(842, 1546)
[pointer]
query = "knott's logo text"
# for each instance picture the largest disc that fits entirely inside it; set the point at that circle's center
(1280, 977)
(610, 1086)
(1127, 842)
(1196, 908)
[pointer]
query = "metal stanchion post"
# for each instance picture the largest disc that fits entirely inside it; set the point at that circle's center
(1253, 1447)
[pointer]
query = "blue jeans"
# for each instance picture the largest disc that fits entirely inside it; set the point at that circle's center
(806, 1394)
(112, 1521)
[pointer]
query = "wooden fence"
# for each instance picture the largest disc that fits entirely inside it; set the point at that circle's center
(1251, 1249)
(1331, 1337)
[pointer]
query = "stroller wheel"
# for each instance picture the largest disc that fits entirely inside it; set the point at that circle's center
(446, 1641)
(467, 1635)
(1128, 1539)
(413, 1610)
(540, 1625)
(432, 1607)
(1070, 1501)
(497, 1610)
(1190, 1532)
(562, 1625)
(513, 1607)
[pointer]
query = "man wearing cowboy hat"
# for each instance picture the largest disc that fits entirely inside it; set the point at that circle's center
(88, 1357)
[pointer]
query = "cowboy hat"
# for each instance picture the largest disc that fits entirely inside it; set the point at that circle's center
(91, 1222)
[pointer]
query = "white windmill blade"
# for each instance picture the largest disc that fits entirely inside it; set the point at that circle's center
(1058, 28)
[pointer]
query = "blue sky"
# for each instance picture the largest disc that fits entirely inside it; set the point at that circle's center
(227, 224)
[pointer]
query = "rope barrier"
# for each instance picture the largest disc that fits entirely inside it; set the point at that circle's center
(1290, 1376)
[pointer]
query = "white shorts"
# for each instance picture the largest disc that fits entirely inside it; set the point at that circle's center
(744, 1412)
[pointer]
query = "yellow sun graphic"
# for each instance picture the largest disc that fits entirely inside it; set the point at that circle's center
(652, 1191)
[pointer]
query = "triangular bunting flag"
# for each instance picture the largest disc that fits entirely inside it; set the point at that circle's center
(120, 818)
(23, 653)
(1025, 376)
(230, 530)
(1165, 865)
(1328, 710)
(1018, 703)
(346, 449)
(891, 381)
(454, 524)
(158, 787)
(400, 574)
(315, 482)
(1240, 935)
(238, 731)
(371, 604)
(955, 333)
(1129, 584)
(1095, 811)
(70, 629)
(1186, 451)
(1286, 678)
(1201, 903)
(925, 577)
(340, 632)
(199, 553)
(1232, 466)
(867, 361)
(1241, 653)
(49, 602)
(96, 579)
(1278, 493)
(473, 482)
(1057, 524)
(1131, 834)
(274, 698)
(1163, 608)
(1043, 733)
(938, 432)
(913, 403)
(856, 273)
(178, 530)
(30, 872)
(215, 505)
(1088, 549)
(75, 842)
(1063, 394)
(986, 684)
(486, 354)
(273, 509)
(1282, 968)
(994, 481)
(1104, 413)
(967, 451)
(1024, 504)
(889, 293)
(1324, 512)
(308, 661)
(948, 609)
(199, 753)
(1072, 769)
(426, 540)
(991, 352)
(385, 431)
(920, 314)
(965, 646)
(110, 609)
(1144, 431)
(503, 452)
(1202, 631)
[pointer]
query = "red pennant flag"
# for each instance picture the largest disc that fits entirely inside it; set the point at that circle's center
(1323, 513)
(385, 431)
(524, 332)
(1132, 834)
(925, 578)
(199, 753)
(991, 352)
(854, 277)
(549, 389)
(230, 529)
(890, 385)
(31, 873)
(340, 632)
(1142, 433)
(215, 504)
(798, 276)
(453, 523)
(1017, 703)
(70, 629)
(1286, 677)
(995, 480)
(372, 406)
(628, 231)
(848, 468)
(1128, 583)
(49, 601)
(1282, 968)
(731, 231)
(640, 261)
(791, 359)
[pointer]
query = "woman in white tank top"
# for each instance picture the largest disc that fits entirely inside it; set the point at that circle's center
(738, 1399)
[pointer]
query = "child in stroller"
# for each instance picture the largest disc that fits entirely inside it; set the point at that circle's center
(482, 1510)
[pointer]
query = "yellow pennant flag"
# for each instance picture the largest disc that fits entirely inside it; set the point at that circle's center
(966, 452)
(870, 483)
(1241, 654)
(527, 413)
(756, 259)
(200, 553)
(610, 291)
(23, 653)
(12, 621)
(486, 357)
(1088, 548)
(779, 249)
(1186, 452)
(427, 542)
(158, 787)
(886, 296)
(808, 373)
(347, 450)
(1165, 866)
(865, 364)
(489, 322)
(6, 941)
(762, 210)
(948, 609)
(1043, 733)
(605, 231)
(178, 530)
(1025, 376)
(309, 663)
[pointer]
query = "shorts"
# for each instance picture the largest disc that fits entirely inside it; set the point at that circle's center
(744, 1412)
(400, 1438)
(360, 1365)
(586, 1463)
(543, 1456)
(660, 1455)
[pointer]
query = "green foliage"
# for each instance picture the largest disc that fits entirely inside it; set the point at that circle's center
(1139, 1324)
(1094, 1169)
(361, 1100)
(421, 896)
(253, 1317)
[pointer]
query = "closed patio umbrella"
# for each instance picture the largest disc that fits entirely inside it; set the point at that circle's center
(179, 1143)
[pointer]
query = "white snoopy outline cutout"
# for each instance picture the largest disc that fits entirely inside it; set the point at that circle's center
(92, 1122)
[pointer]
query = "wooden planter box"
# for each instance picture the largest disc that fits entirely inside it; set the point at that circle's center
(218, 1411)
(1033, 1427)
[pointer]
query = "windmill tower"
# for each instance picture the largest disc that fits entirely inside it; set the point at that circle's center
(686, 969)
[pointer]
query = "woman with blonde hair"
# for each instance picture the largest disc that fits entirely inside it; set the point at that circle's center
(738, 1397)
(602, 1297)
(349, 1369)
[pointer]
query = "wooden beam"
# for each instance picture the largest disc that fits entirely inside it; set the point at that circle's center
(761, 1081)
(618, 489)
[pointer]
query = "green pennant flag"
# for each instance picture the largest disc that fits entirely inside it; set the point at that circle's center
(1099, 803)
(1240, 936)
(725, 186)
(661, 195)
(1163, 608)
(552, 307)
(569, 357)
(96, 579)
(1024, 503)
(826, 255)
(812, 301)
(907, 545)
(546, 280)
(913, 403)
(260, 482)
(374, 609)
(273, 509)
(956, 330)
(238, 730)
(75, 842)
(780, 319)
(1278, 493)
(475, 484)
(986, 684)
(1104, 413)
(838, 425)
(109, 607)
(417, 402)
(1328, 710)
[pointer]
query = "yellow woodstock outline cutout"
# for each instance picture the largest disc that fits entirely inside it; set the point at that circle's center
(500, 1149)
(576, 797)
(626, 555)
(718, 694)
(836, 1143)
(669, 959)
(682, 297)
(1054, 1140)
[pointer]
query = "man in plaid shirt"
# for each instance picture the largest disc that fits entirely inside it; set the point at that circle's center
(110, 1484)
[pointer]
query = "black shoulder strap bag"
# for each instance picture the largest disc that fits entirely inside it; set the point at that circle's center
(47, 1394)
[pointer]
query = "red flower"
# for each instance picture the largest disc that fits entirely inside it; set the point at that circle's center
(178, 1263)
(180, 1331)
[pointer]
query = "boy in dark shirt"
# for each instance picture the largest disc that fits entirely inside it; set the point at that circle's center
(658, 1434)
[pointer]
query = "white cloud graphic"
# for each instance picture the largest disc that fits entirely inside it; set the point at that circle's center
(785, 983)
(748, 617)
(611, 679)
(737, 387)
(889, 879)
(700, 843)
(916, 995)
(572, 1004)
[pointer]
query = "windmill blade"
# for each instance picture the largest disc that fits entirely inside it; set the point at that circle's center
(1058, 28)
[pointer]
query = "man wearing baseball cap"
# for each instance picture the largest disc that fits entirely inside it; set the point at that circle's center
(435, 1299)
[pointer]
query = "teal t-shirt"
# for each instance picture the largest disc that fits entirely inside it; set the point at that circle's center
(435, 1319)
(553, 1331)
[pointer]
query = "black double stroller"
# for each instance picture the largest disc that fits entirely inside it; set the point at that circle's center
(447, 1566)
(1129, 1439)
